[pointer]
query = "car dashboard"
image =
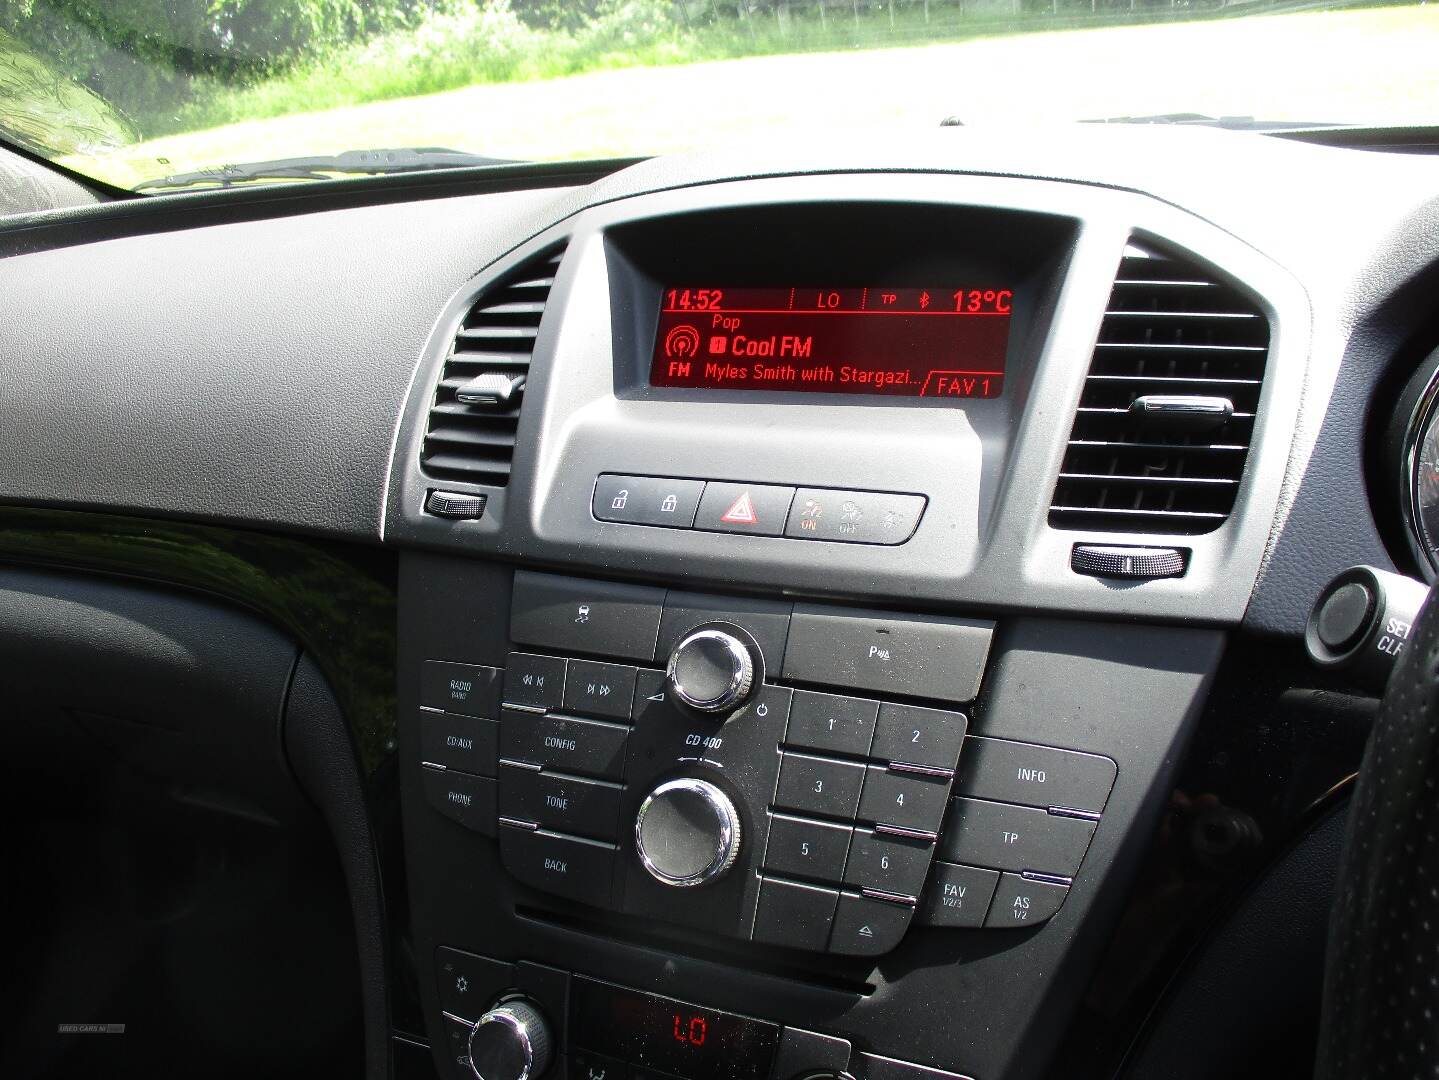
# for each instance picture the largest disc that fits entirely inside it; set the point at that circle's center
(787, 611)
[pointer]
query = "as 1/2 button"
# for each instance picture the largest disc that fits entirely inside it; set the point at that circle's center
(1020, 902)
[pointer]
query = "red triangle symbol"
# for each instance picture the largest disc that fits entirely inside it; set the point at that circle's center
(741, 512)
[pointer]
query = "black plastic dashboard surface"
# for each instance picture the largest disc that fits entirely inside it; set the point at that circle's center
(253, 371)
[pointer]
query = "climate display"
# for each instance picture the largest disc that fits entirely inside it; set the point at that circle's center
(655, 1032)
(944, 342)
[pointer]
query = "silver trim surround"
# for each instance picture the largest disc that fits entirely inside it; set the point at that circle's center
(727, 842)
(1419, 419)
(741, 674)
(506, 1016)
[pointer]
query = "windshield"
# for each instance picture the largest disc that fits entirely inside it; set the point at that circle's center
(139, 93)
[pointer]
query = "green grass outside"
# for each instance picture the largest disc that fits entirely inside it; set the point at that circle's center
(1373, 65)
(491, 45)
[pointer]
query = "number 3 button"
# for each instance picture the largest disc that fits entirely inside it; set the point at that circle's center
(918, 736)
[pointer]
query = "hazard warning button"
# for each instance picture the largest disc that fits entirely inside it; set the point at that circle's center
(759, 509)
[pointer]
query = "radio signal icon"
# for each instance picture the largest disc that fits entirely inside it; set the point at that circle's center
(682, 342)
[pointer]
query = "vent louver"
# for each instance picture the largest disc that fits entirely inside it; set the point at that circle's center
(1167, 413)
(476, 407)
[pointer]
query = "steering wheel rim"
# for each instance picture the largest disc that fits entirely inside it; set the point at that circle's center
(1380, 1015)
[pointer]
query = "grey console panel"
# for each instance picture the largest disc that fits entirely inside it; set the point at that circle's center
(986, 467)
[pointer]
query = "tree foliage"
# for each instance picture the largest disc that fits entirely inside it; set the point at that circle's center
(143, 55)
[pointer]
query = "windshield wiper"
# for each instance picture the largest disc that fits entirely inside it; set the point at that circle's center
(327, 167)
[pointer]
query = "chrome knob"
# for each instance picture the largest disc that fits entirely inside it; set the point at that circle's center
(510, 1042)
(687, 832)
(711, 670)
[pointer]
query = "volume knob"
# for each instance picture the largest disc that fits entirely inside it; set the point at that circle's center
(510, 1042)
(687, 832)
(711, 670)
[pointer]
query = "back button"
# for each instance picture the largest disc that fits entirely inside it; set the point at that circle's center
(565, 865)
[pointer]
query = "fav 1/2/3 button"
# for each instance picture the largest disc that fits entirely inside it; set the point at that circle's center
(854, 517)
(864, 926)
(471, 689)
(647, 500)
(757, 509)
(564, 865)
(959, 895)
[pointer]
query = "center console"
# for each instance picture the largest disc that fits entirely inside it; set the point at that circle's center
(754, 769)
(758, 715)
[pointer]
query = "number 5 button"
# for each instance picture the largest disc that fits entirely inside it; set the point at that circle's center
(916, 736)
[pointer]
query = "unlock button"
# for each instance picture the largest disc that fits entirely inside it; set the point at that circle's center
(647, 500)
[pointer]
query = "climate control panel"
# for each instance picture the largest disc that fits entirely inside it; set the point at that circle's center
(794, 774)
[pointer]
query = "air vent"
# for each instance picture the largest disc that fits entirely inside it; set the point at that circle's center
(476, 410)
(1167, 413)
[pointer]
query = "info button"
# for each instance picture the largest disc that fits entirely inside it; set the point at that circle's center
(854, 517)
(758, 509)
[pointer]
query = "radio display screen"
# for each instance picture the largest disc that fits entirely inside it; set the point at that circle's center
(654, 1032)
(936, 342)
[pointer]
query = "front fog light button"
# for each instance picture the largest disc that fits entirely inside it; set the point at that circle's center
(687, 832)
(711, 670)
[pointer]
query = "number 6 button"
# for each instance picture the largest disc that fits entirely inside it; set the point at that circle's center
(916, 736)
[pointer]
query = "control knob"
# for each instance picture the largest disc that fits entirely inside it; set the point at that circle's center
(510, 1042)
(712, 669)
(687, 832)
